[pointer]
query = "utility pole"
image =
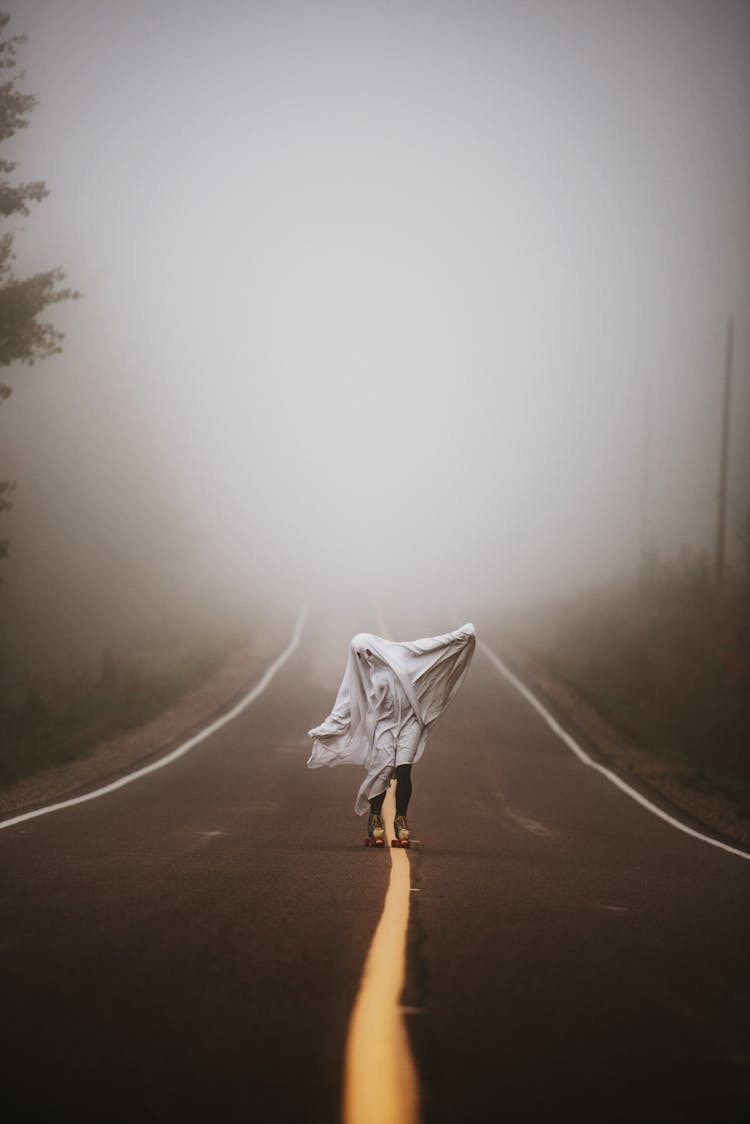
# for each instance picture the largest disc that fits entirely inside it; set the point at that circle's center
(724, 458)
(645, 473)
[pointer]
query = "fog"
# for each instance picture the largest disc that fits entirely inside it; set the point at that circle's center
(383, 302)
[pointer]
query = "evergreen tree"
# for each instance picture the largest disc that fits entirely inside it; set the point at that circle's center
(24, 337)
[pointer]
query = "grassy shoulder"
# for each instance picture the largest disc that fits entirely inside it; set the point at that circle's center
(667, 663)
(64, 719)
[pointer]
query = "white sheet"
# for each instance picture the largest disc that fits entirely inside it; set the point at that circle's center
(391, 694)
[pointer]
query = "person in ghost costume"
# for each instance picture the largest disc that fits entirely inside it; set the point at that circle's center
(391, 695)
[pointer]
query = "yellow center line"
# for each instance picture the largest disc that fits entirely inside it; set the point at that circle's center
(380, 1079)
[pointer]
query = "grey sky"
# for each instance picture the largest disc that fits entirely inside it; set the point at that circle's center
(373, 290)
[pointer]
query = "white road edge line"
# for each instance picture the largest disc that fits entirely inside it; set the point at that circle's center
(181, 750)
(584, 758)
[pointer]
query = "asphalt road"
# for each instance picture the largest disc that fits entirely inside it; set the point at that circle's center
(190, 946)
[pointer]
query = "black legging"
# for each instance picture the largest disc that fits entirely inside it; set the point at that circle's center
(403, 792)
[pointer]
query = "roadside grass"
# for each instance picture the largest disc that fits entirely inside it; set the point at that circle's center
(666, 662)
(64, 718)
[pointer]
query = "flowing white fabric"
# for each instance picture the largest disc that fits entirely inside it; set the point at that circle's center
(391, 694)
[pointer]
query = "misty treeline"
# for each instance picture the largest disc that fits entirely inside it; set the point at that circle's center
(24, 337)
(82, 617)
(665, 657)
(62, 718)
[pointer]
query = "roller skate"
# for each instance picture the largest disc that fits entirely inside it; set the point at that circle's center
(375, 831)
(401, 833)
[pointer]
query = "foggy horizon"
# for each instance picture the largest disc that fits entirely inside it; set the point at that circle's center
(381, 302)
